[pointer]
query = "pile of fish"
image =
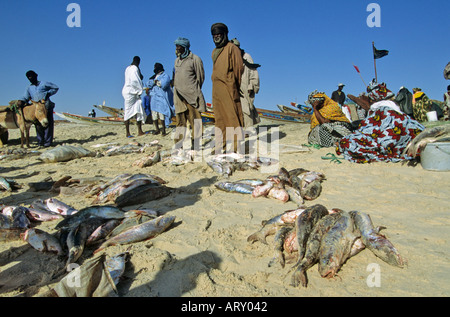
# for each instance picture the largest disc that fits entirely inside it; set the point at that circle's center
(13, 154)
(296, 185)
(316, 235)
(129, 189)
(226, 164)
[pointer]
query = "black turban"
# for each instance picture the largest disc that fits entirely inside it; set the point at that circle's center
(219, 28)
(158, 68)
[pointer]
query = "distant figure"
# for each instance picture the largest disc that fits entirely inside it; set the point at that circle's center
(161, 99)
(226, 77)
(147, 107)
(131, 92)
(189, 101)
(37, 91)
(249, 88)
(404, 101)
(447, 104)
(92, 113)
(338, 95)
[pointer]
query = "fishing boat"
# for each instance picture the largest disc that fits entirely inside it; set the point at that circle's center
(110, 110)
(89, 120)
(304, 109)
(288, 109)
(283, 117)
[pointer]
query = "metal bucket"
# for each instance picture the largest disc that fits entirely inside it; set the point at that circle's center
(436, 156)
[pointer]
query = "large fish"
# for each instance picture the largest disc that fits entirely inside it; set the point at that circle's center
(312, 249)
(106, 212)
(376, 242)
(145, 231)
(43, 215)
(76, 241)
(42, 241)
(235, 187)
(142, 194)
(336, 245)
(60, 207)
(305, 223)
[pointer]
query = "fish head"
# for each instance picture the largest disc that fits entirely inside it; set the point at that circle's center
(328, 266)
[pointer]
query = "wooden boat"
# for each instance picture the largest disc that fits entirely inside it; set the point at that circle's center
(288, 109)
(283, 117)
(89, 120)
(110, 110)
(303, 108)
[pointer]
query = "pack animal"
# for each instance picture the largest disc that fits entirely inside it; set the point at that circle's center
(23, 119)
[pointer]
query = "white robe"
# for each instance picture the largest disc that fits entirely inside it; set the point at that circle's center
(131, 92)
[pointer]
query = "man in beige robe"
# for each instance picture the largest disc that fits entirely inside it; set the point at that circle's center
(249, 88)
(189, 101)
(228, 68)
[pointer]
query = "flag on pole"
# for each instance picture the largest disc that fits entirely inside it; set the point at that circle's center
(357, 69)
(379, 53)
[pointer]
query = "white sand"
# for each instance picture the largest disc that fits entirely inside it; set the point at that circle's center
(207, 254)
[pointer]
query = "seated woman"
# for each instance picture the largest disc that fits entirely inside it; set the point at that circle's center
(328, 123)
(381, 136)
(422, 104)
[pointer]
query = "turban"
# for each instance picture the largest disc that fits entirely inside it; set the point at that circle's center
(219, 28)
(184, 43)
(158, 68)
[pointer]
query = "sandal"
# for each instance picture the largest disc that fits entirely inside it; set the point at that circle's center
(332, 157)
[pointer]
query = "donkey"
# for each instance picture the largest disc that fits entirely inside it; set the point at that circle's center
(35, 113)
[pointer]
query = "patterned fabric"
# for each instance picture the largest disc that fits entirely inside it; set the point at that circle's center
(382, 136)
(327, 134)
(421, 106)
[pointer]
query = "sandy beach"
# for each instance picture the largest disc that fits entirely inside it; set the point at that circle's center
(206, 253)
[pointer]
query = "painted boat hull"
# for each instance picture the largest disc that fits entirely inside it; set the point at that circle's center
(89, 120)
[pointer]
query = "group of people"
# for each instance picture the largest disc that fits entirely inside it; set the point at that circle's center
(235, 81)
(391, 122)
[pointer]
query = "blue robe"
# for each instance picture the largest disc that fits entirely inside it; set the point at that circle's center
(161, 98)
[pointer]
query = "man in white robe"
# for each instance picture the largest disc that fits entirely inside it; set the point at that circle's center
(131, 92)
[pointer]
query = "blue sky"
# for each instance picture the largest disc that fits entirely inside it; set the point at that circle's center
(301, 45)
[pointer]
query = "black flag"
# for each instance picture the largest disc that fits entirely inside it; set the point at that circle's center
(379, 53)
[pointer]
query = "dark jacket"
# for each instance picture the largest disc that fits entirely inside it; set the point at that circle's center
(404, 101)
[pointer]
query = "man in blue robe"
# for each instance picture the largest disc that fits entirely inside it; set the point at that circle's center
(37, 91)
(161, 99)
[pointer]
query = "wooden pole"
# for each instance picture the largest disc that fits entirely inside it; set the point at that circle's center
(374, 61)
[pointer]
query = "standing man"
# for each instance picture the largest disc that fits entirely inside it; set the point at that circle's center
(188, 98)
(37, 91)
(228, 68)
(131, 92)
(249, 88)
(338, 95)
(161, 98)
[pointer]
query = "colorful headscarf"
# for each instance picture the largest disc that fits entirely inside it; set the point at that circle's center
(330, 110)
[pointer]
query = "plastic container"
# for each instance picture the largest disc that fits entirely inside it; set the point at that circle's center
(436, 156)
(432, 116)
